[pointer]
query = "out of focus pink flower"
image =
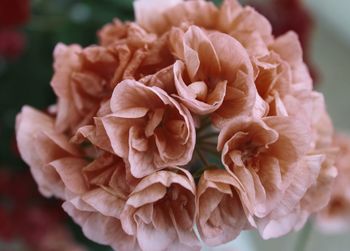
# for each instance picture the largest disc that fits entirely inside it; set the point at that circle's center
(335, 217)
(290, 15)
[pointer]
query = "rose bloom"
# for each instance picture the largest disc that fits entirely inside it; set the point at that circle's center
(283, 80)
(335, 217)
(95, 197)
(221, 216)
(37, 130)
(265, 156)
(160, 212)
(149, 128)
(204, 77)
(286, 15)
(85, 77)
(81, 81)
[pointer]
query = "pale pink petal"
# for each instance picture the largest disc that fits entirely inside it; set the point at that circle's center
(150, 14)
(289, 48)
(96, 134)
(105, 202)
(198, 12)
(111, 33)
(161, 210)
(240, 99)
(70, 171)
(102, 229)
(293, 135)
(39, 144)
(229, 10)
(221, 217)
(149, 127)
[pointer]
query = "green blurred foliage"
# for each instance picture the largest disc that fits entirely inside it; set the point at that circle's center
(217, 2)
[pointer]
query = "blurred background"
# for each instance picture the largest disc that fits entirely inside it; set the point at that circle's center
(29, 31)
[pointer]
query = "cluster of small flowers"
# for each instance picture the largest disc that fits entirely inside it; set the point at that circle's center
(193, 115)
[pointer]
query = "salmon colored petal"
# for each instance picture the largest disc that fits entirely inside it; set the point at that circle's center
(289, 48)
(161, 209)
(197, 12)
(150, 14)
(111, 33)
(229, 10)
(70, 171)
(39, 144)
(240, 99)
(293, 135)
(149, 127)
(333, 218)
(105, 202)
(189, 97)
(80, 83)
(211, 53)
(250, 20)
(220, 217)
(96, 134)
(231, 54)
(199, 52)
(102, 229)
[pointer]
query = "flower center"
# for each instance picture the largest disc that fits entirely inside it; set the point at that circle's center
(206, 154)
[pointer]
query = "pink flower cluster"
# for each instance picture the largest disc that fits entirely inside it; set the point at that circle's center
(335, 217)
(193, 116)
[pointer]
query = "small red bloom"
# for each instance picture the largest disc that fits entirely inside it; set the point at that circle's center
(7, 228)
(14, 12)
(12, 43)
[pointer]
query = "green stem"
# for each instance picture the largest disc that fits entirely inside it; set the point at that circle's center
(208, 135)
(205, 123)
(211, 150)
(202, 158)
(198, 173)
(304, 237)
(207, 143)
